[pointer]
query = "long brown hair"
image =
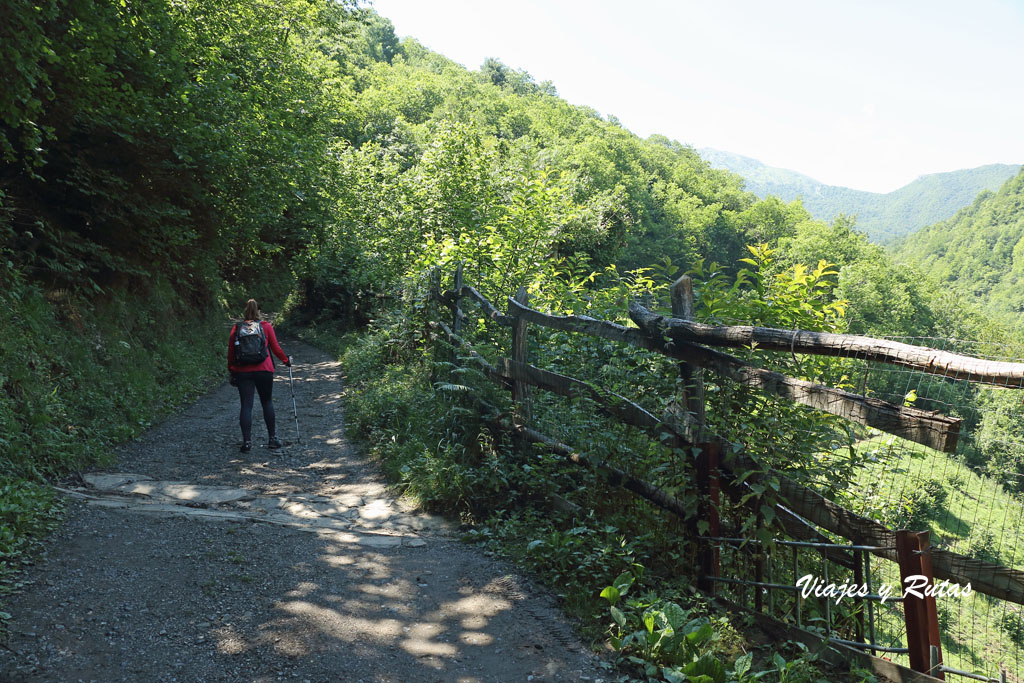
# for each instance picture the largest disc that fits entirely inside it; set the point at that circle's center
(252, 311)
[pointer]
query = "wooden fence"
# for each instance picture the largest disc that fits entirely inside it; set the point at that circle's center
(802, 512)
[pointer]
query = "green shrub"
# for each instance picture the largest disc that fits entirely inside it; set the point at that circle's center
(77, 377)
(28, 511)
(423, 432)
(1012, 625)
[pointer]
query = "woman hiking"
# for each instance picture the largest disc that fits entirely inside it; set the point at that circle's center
(252, 370)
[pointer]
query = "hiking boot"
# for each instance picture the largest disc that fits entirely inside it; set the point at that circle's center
(274, 442)
(246, 447)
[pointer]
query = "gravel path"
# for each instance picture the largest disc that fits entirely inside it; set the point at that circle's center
(199, 563)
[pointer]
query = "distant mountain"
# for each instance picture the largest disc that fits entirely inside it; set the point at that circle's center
(884, 217)
(979, 251)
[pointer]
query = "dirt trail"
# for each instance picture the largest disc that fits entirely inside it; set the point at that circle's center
(190, 561)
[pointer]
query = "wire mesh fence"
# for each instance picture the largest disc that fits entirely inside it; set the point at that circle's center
(968, 497)
(971, 501)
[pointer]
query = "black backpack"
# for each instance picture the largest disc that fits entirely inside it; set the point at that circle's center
(250, 343)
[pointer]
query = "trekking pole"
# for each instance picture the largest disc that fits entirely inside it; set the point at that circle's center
(295, 411)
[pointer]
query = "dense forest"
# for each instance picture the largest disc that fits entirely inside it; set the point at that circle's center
(161, 162)
(979, 252)
(884, 217)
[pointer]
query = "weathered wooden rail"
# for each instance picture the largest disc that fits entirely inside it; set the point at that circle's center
(802, 511)
(931, 361)
(926, 427)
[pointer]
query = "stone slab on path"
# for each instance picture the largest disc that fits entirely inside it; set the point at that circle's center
(345, 511)
(197, 494)
(194, 562)
(106, 481)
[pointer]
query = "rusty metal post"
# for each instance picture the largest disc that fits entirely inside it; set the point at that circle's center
(920, 613)
(707, 478)
(858, 579)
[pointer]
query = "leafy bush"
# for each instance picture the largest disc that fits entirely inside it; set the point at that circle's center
(1013, 625)
(78, 376)
(664, 641)
(983, 545)
(28, 511)
(920, 504)
(424, 434)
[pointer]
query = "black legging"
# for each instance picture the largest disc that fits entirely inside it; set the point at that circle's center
(248, 384)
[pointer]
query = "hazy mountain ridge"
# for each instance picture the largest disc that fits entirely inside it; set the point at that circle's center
(884, 217)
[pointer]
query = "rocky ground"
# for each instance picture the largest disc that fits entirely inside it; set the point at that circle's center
(191, 561)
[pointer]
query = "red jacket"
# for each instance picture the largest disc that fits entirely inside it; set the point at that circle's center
(268, 362)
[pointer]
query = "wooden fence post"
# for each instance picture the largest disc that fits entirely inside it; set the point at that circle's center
(520, 389)
(457, 291)
(707, 459)
(920, 613)
(693, 381)
(432, 310)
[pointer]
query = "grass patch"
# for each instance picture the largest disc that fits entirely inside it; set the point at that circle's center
(906, 485)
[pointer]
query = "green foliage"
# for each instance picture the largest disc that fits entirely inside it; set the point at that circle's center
(492, 168)
(793, 298)
(422, 433)
(663, 634)
(1013, 626)
(883, 298)
(920, 505)
(662, 641)
(999, 451)
(79, 376)
(516, 80)
(978, 252)
(28, 512)
(173, 148)
(798, 670)
(25, 51)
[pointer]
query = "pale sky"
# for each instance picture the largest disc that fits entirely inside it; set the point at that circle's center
(868, 94)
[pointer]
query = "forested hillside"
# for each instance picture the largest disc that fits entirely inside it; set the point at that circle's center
(884, 217)
(159, 163)
(162, 162)
(979, 252)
